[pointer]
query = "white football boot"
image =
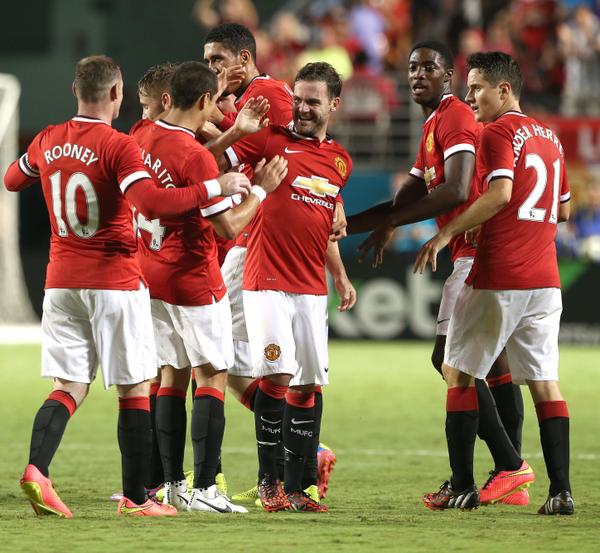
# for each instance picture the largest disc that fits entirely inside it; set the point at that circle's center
(211, 500)
(177, 495)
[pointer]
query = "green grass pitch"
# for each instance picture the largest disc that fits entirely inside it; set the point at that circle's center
(384, 415)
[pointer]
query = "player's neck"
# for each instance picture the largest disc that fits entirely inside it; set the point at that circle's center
(512, 105)
(97, 111)
(250, 76)
(189, 119)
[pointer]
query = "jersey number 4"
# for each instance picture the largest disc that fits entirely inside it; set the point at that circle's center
(76, 181)
(156, 230)
(528, 210)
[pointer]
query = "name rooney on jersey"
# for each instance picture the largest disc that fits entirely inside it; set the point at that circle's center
(164, 177)
(85, 155)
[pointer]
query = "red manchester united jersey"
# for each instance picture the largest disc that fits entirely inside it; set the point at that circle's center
(450, 129)
(277, 92)
(85, 167)
(516, 247)
(179, 255)
(288, 238)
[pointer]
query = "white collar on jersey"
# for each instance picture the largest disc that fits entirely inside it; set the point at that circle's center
(444, 97)
(88, 119)
(171, 127)
(513, 112)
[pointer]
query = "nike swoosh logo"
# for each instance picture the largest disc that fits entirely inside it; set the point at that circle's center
(442, 321)
(218, 509)
(131, 510)
(268, 421)
(294, 421)
(288, 151)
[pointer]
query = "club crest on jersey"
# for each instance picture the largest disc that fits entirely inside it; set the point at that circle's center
(272, 352)
(340, 165)
(317, 186)
(429, 142)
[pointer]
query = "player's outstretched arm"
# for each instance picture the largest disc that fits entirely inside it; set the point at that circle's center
(481, 210)
(338, 227)
(342, 283)
(409, 191)
(267, 177)
(15, 179)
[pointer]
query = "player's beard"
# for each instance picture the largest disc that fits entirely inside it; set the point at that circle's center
(309, 127)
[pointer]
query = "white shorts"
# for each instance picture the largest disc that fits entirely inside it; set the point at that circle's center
(190, 336)
(233, 272)
(242, 360)
(83, 327)
(526, 322)
(288, 335)
(452, 287)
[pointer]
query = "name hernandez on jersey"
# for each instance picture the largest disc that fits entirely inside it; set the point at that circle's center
(178, 255)
(85, 167)
(289, 234)
(450, 129)
(516, 247)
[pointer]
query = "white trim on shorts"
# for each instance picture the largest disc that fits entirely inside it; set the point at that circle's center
(526, 322)
(288, 335)
(450, 291)
(84, 327)
(191, 336)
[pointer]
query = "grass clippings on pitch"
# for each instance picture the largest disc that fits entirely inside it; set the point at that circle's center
(384, 414)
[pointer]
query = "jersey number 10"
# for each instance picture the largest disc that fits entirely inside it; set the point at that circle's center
(76, 181)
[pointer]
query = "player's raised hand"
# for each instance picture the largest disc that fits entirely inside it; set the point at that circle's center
(234, 76)
(346, 292)
(209, 131)
(377, 242)
(234, 183)
(269, 175)
(428, 253)
(338, 227)
(251, 118)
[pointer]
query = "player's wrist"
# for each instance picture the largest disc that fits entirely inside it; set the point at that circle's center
(258, 191)
(213, 188)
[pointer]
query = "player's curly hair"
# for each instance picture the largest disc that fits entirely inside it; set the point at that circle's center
(157, 79)
(497, 67)
(323, 72)
(190, 81)
(234, 37)
(94, 76)
(439, 47)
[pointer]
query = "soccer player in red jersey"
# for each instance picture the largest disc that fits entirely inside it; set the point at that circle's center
(285, 290)
(231, 48)
(190, 307)
(96, 307)
(442, 184)
(512, 295)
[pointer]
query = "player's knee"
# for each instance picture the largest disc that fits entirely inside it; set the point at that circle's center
(77, 390)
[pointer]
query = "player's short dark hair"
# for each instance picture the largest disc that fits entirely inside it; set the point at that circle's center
(234, 37)
(94, 76)
(190, 81)
(157, 79)
(442, 49)
(497, 67)
(323, 72)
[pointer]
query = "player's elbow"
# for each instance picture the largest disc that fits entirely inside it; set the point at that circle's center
(225, 229)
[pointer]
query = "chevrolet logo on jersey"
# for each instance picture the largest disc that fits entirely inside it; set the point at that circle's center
(317, 185)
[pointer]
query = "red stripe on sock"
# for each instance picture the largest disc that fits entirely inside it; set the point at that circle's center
(66, 399)
(213, 392)
(173, 392)
(275, 391)
(494, 381)
(304, 400)
(318, 390)
(141, 403)
(551, 409)
(247, 396)
(461, 399)
(154, 387)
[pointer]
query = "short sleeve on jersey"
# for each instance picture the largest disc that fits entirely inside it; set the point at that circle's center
(27, 167)
(457, 131)
(565, 193)
(127, 159)
(497, 156)
(29, 162)
(417, 169)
